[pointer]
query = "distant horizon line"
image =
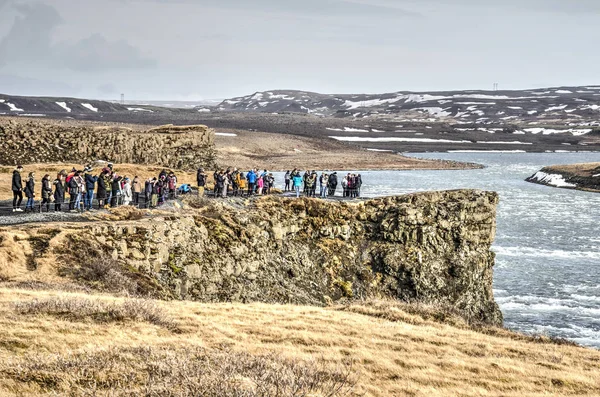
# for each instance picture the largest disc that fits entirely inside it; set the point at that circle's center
(218, 100)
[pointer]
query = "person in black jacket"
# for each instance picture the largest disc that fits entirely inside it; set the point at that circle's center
(115, 190)
(148, 192)
(101, 191)
(201, 179)
(46, 193)
(333, 182)
(73, 190)
(17, 188)
(59, 192)
(30, 192)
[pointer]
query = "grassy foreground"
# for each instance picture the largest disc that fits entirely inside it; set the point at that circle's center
(56, 342)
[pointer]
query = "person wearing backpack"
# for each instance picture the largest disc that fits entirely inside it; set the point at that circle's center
(287, 178)
(17, 189)
(46, 192)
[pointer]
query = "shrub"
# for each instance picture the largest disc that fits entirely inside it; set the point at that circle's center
(76, 309)
(170, 372)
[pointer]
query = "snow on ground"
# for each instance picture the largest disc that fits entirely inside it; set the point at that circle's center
(549, 131)
(552, 179)
(487, 151)
(590, 107)
(204, 110)
(374, 130)
(394, 139)
(559, 107)
(506, 142)
(32, 115)
(563, 92)
(371, 102)
(139, 110)
(231, 102)
(379, 150)
(64, 106)
(347, 129)
(439, 112)
(224, 134)
(424, 98)
(89, 106)
(532, 112)
(515, 107)
(13, 108)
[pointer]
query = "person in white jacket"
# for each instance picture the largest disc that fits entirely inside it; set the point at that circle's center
(127, 193)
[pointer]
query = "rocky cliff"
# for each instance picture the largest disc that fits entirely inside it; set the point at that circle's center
(432, 248)
(27, 141)
(584, 176)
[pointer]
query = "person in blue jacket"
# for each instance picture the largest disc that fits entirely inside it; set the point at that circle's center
(297, 181)
(251, 177)
(90, 185)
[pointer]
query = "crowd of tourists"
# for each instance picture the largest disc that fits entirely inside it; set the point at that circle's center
(107, 187)
(88, 190)
(237, 183)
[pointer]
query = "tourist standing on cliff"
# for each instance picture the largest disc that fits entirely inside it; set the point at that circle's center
(136, 187)
(333, 182)
(115, 190)
(155, 193)
(17, 188)
(46, 193)
(251, 178)
(201, 179)
(90, 186)
(102, 188)
(287, 178)
(30, 192)
(73, 189)
(324, 182)
(297, 181)
(59, 191)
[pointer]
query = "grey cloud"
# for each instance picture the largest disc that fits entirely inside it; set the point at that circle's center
(321, 8)
(17, 85)
(30, 40)
(95, 53)
(108, 88)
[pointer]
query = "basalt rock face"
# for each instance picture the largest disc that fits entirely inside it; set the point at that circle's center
(432, 248)
(25, 142)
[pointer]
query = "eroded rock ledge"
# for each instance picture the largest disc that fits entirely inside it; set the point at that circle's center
(584, 176)
(428, 247)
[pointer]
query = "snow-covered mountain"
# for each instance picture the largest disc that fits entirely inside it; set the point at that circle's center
(579, 105)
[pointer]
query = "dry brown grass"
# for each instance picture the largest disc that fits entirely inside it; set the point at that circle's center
(581, 169)
(400, 354)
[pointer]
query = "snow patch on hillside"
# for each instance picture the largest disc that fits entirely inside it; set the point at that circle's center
(64, 106)
(556, 180)
(90, 107)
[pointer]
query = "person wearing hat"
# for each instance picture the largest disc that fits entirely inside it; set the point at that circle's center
(90, 184)
(17, 188)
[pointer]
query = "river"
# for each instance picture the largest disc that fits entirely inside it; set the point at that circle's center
(547, 274)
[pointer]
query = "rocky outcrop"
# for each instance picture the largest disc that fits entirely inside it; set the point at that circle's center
(26, 141)
(432, 248)
(574, 176)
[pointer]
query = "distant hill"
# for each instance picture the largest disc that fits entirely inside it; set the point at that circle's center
(47, 106)
(581, 105)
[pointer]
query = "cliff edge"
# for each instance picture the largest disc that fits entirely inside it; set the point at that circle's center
(431, 248)
(585, 176)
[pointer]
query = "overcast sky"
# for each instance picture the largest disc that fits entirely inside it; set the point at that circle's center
(202, 49)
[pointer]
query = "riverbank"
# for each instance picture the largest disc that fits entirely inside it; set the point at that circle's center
(585, 176)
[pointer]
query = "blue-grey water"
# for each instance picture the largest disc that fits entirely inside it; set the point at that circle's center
(547, 274)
